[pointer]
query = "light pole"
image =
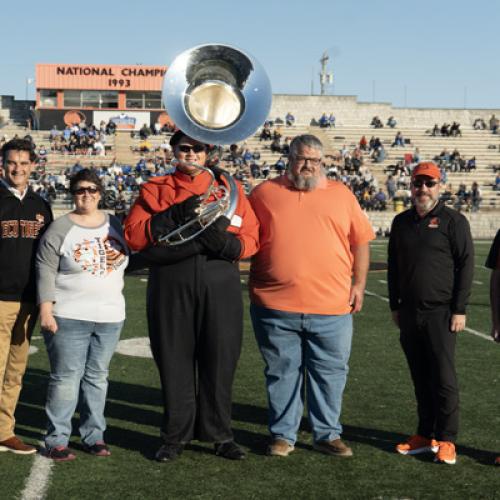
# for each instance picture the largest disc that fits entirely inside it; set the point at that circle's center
(28, 82)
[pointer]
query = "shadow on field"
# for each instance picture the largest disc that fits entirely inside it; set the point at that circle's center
(125, 401)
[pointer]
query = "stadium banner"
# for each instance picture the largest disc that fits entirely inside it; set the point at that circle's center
(124, 120)
(99, 77)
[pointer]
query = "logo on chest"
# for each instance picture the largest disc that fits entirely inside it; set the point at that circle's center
(434, 223)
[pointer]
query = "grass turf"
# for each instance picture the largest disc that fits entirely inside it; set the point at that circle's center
(378, 411)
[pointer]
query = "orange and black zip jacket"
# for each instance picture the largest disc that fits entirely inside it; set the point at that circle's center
(162, 192)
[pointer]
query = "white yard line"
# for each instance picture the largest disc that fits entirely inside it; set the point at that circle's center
(477, 282)
(384, 282)
(37, 484)
(467, 329)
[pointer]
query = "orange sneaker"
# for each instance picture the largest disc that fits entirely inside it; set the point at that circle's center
(446, 453)
(417, 444)
(497, 460)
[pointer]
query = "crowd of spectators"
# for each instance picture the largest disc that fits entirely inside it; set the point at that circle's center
(446, 130)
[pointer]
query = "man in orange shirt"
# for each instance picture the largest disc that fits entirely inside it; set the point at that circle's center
(194, 306)
(306, 281)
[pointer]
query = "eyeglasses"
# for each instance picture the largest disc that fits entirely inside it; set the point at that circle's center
(186, 148)
(302, 160)
(83, 190)
(418, 184)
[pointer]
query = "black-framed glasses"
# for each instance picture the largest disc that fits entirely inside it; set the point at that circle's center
(186, 148)
(419, 183)
(83, 190)
(302, 160)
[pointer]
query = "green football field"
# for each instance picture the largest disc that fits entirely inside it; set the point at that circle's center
(378, 411)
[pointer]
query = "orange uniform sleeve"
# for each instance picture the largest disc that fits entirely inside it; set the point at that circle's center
(152, 199)
(248, 233)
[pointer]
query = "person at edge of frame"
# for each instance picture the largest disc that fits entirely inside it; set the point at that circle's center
(24, 216)
(493, 263)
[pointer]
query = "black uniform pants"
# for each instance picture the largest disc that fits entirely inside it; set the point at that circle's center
(429, 346)
(195, 321)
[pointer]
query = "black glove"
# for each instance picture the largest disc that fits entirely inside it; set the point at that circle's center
(163, 255)
(174, 216)
(219, 242)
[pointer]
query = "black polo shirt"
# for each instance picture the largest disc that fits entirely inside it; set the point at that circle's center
(431, 260)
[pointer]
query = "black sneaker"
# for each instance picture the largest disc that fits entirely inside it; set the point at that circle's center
(229, 450)
(169, 452)
(60, 454)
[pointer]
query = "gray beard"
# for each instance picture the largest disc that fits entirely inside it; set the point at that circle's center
(425, 207)
(304, 183)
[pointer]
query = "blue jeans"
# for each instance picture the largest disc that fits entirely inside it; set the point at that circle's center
(79, 355)
(295, 346)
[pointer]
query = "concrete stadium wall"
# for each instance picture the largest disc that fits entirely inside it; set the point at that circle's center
(349, 112)
(483, 225)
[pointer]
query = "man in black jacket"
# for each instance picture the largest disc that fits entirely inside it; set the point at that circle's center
(23, 218)
(431, 262)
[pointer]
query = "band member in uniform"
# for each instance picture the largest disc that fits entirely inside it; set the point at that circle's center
(194, 302)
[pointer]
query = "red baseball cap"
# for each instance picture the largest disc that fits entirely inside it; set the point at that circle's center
(427, 168)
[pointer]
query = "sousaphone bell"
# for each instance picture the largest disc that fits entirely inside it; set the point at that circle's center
(217, 95)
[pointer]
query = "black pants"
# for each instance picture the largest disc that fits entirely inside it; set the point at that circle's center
(429, 346)
(195, 321)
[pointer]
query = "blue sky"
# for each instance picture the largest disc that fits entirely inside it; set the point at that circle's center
(437, 53)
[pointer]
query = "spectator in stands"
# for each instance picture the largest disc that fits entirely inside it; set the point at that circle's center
(471, 164)
(331, 120)
(265, 134)
(265, 170)
(496, 183)
(398, 140)
(54, 132)
(479, 124)
(278, 132)
(455, 130)
(289, 119)
(275, 146)
(378, 154)
(435, 130)
(376, 122)
(99, 148)
(363, 143)
(391, 122)
(390, 185)
(280, 166)
(324, 122)
(255, 170)
(285, 147)
(475, 197)
(380, 200)
(493, 124)
(462, 197)
(445, 130)
(247, 157)
(157, 127)
(144, 132)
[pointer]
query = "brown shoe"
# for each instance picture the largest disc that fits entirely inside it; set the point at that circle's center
(336, 447)
(280, 448)
(15, 445)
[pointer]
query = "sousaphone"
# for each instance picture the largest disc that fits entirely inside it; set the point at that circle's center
(217, 95)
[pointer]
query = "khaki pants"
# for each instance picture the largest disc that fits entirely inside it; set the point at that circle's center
(17, 320)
